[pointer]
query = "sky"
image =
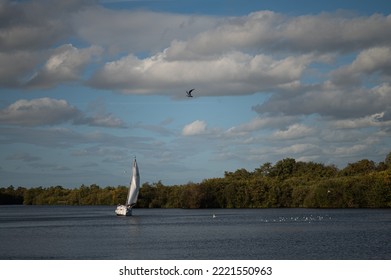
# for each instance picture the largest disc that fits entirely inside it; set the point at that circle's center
(87, 85)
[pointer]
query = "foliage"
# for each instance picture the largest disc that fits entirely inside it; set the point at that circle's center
(286, 184)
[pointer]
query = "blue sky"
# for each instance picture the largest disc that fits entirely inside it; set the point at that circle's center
(86, 85)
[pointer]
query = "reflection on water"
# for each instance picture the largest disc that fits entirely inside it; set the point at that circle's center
(94, 232)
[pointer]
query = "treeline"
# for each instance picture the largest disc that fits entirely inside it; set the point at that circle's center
(288, 183)
(58, 195)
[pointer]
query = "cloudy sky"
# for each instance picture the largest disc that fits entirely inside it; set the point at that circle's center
(86, 85)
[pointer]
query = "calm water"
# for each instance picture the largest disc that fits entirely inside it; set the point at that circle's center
(94, 232)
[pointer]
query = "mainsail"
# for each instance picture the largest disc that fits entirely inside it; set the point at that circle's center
(134, 185)
(126, 210)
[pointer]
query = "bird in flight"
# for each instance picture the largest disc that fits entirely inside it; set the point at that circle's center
(189, 93)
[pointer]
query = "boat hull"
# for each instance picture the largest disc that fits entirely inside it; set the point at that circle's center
(123, 210)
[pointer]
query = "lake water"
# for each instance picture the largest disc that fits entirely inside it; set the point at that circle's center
(94, 232)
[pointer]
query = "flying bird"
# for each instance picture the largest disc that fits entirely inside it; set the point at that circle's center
(189, 93)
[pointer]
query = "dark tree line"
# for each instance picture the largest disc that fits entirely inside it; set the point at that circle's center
(288, 183)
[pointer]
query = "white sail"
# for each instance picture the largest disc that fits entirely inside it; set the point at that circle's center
(134, 185)
(126, 210)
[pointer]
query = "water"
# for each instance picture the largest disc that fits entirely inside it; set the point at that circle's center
(94, 232)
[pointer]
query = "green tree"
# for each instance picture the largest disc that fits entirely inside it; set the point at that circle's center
(264, 169)
(364, 166)
(284, 168)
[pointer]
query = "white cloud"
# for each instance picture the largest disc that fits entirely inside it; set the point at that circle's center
(350, 150)
(60, 137)
(195, 128)
(329, 100)
(374, 120)
(27, 42)
(260, 122)
(19, 64)
(372, 60)
(383, 91)
(369, 61)
(231, 73)
(39, 24)
(267, 30)
(136, 31)
(293, 132)
(242, 53)
(336, 32)
(41, 111)
(48, 111)
(300, 148)
(102, 120)
(65, 64)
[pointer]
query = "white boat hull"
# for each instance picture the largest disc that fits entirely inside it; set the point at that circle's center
(123, 210)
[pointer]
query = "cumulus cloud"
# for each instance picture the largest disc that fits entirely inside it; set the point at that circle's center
(137, 31)
(267, 30)
(39, 24)
(245, 54)
(261, 122)
(335, 32)
(42, 111)
(60, 137)
(20, 64)
(28, 32)
(345, 96)
(329, 100)
(350, 150)
(300, 148)
(195, 128)
(368, 62)
(232, 73)
(294, 131)
(48, 111)
(375, 120)
(103, 120)
(65, 64)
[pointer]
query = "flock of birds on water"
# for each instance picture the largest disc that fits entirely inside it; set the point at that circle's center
(305, 219)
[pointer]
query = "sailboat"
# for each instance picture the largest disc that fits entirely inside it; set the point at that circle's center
(126, 210)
